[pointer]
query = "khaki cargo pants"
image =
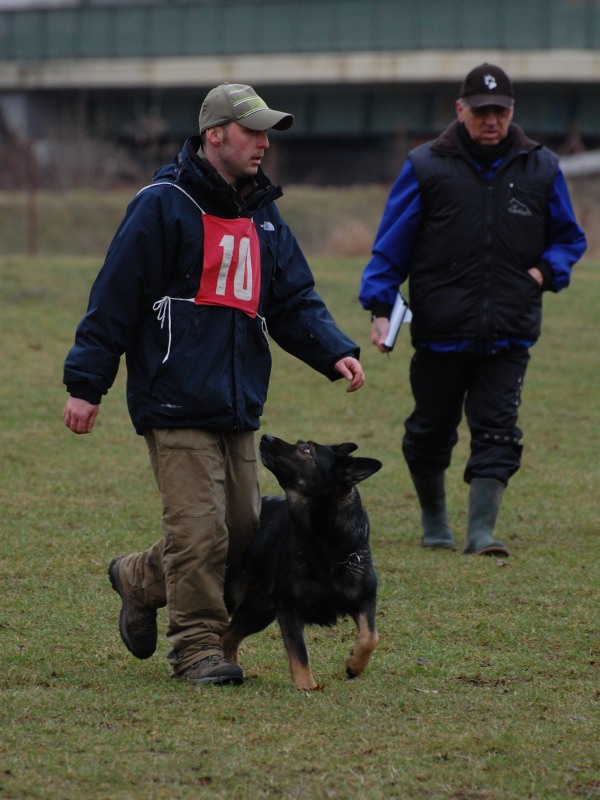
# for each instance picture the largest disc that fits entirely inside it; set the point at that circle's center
(208, 482)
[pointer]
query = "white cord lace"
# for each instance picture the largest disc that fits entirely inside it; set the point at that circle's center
(264, 329)
(163, 312)
(163, 309)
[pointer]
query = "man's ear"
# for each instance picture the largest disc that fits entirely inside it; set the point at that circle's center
(214, 135)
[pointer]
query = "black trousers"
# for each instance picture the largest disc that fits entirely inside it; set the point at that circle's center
(489, 389)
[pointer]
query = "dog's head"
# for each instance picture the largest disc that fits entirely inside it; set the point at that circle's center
(315, 469)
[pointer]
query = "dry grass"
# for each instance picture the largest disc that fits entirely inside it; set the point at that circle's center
(327, 221)
(337, 222)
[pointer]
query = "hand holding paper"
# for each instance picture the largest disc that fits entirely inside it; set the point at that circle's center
(400, 313)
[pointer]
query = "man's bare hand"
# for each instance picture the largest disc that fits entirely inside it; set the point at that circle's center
(351, 369)
(380, 327)
(536, 275)
(79, 415)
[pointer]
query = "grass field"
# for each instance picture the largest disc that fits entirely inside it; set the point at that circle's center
(485, 685)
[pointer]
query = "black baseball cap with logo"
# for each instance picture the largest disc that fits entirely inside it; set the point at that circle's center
(487, 85)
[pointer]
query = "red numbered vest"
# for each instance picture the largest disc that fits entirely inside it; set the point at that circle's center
(231, 264)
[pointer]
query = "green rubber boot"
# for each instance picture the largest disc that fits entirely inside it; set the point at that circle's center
(485, 497)
(434, 517)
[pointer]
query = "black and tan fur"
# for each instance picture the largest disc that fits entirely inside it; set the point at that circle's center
(311, 561)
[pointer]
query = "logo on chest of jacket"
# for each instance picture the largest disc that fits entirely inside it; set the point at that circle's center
(517, 207)
(267, 226)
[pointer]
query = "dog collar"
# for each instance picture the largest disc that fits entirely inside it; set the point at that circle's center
(353, 560)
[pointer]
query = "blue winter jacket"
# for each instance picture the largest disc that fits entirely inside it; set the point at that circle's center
(188, 365)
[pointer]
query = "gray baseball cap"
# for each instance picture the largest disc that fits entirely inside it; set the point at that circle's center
(238, 102)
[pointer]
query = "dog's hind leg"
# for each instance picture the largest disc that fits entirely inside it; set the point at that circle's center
(246, 620)
(292, 630)
(366, 642)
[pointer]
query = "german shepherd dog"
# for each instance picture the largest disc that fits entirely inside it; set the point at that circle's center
(310, 562)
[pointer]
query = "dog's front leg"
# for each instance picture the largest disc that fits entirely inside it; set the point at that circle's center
(292, 630)
(366, 642)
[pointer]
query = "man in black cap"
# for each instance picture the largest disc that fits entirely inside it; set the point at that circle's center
(201, 272)
(481, 223)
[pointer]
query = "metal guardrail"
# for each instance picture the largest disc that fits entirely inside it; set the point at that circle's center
(581, 164)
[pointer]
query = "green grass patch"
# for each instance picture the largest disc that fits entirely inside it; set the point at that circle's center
(485, 683)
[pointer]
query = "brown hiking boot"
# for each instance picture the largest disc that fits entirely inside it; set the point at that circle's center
(137, 625)
(213, 669)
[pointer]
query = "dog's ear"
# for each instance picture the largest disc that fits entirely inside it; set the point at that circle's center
(361, 468)
(344, 449)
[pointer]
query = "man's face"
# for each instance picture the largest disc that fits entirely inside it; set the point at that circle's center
(486, 125)
(240, 151)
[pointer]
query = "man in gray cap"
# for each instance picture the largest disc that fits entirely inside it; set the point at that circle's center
(201, 272)
(480, 222)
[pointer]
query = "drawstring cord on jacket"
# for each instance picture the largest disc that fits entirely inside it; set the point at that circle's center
(163, 312)
(163, 309)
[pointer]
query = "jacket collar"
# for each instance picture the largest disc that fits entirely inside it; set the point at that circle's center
(448, 142)
(211, 191)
